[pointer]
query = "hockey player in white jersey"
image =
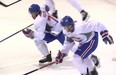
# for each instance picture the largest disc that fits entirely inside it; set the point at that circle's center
(86, 33)
(47, 29)
(75, 4)
(34, 8)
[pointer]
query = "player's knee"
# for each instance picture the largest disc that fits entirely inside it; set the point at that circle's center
(39, 42)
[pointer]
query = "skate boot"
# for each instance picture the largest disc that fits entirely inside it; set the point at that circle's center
(85, 74)
(88, 73)
(94, 72)
(55, 14)
(85, 15)
(95, 61)
(48, 58)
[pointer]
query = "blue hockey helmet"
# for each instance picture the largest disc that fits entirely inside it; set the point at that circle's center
(66, 21)
(34, 8)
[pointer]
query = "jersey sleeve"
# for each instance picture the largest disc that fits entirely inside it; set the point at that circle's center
(57, 29)
(94, 26)
(68, 44)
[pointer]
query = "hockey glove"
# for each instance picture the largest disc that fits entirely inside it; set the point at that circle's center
(59, 58)
(106, 37)
(28, 33)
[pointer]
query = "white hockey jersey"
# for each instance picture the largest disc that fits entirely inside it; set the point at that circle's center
(83, 33)
(40, 25)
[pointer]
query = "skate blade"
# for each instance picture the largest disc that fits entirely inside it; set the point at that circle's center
(98, 66)
(42, 64)
(87, 18)
(94, 61)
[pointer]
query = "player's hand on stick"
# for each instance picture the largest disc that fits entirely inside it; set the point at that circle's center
(59, 57)
(28, 33)
(106, 37)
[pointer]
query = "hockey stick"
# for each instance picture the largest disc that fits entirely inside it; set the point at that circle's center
(3, 4)
(14, 33)
(39, 68)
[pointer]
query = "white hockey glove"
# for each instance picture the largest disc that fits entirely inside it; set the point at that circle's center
(106, 37)
(28, 33)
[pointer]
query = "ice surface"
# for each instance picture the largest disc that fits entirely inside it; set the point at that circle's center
(19, 55)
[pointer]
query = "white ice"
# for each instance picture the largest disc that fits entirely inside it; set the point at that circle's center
(19, 55)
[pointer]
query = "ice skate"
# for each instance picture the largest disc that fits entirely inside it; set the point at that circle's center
(96, 61)
(55, 14)
(88, 73)
(46, 59)
(94, 72)
(85, 15)
(85, 74)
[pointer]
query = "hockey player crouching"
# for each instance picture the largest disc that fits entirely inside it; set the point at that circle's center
(47, 29)
(86, 33)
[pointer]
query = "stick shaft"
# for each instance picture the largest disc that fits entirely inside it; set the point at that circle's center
(31, 71)
(1, 3)
(13, 3)
(14, 33)
(5, 5)
(46, 65)
(39, 68)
